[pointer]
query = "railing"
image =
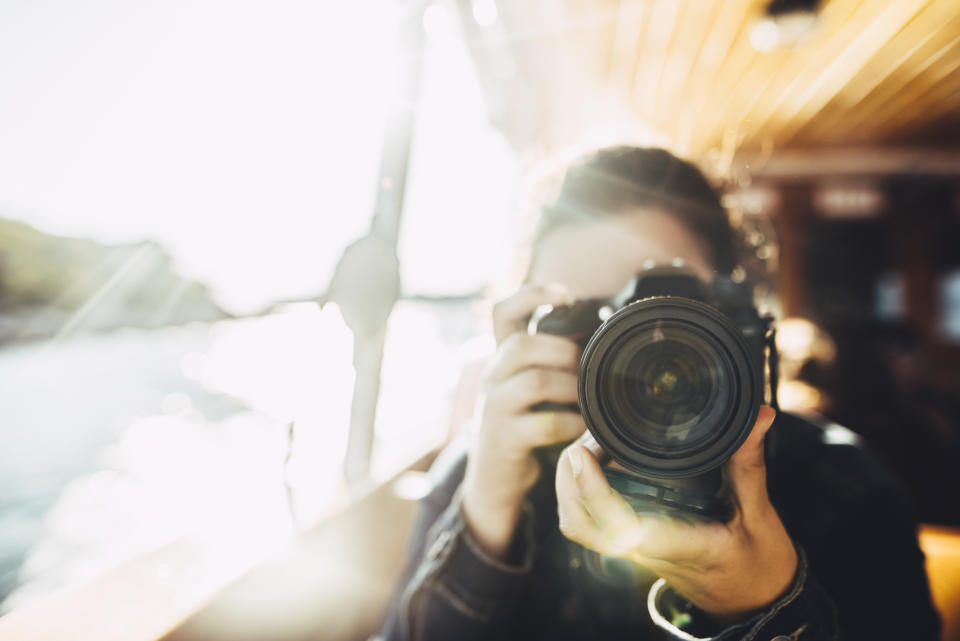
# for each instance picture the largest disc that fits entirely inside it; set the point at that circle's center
(331, 582)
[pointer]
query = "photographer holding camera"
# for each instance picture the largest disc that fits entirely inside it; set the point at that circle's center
(728, 521)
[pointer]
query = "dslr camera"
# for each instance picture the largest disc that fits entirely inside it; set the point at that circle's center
(670, 383)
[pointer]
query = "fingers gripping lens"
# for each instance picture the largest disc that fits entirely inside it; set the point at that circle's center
(668, 388)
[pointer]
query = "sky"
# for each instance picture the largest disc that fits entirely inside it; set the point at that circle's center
(245, 138)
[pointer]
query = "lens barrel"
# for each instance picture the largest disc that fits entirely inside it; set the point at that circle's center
(669, 387)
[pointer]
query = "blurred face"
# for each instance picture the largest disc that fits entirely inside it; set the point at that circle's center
(598, 258)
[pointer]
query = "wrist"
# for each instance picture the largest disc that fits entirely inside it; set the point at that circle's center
(777, 561)
(788, 615)
(492, 524)
(765, 573)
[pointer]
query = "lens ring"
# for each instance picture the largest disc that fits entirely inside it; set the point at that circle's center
(730, 407)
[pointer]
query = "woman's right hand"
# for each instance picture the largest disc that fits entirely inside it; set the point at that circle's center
(526, 370)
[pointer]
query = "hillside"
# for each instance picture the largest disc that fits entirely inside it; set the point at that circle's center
(53, 284)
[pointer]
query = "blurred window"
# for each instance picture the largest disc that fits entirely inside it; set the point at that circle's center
(950, 295)
(170, 174)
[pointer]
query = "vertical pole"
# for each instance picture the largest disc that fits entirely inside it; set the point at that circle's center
(793, 221)
(367, 360)
(918, 204)
(372, 273)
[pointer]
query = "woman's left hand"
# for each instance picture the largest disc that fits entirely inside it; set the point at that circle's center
(727, 569)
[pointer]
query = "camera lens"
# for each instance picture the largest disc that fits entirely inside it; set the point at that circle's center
(668, 387)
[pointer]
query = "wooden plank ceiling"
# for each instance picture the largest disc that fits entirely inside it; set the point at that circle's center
(684, 73)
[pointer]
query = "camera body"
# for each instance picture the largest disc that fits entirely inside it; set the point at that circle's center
(670, 383)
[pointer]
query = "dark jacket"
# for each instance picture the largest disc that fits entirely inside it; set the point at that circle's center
(861, 573)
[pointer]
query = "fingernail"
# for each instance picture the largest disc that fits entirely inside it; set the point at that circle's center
(770, 416)
(576, 461)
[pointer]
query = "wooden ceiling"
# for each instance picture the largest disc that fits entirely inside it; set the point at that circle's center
(871, 72)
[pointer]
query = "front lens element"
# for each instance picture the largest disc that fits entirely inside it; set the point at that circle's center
(665, 388)
(669, 387)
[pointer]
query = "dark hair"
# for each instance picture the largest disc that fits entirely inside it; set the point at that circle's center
(616, 179)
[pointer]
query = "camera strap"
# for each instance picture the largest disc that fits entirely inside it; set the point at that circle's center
(773, 358)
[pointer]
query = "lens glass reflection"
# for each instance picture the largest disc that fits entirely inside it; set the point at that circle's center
(668, 388)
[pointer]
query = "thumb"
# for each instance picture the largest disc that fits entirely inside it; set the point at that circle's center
(746, 470)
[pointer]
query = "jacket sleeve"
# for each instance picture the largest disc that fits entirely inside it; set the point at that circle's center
(451, 589)
(878, 588)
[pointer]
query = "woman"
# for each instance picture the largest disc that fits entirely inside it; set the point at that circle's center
(510, 545)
